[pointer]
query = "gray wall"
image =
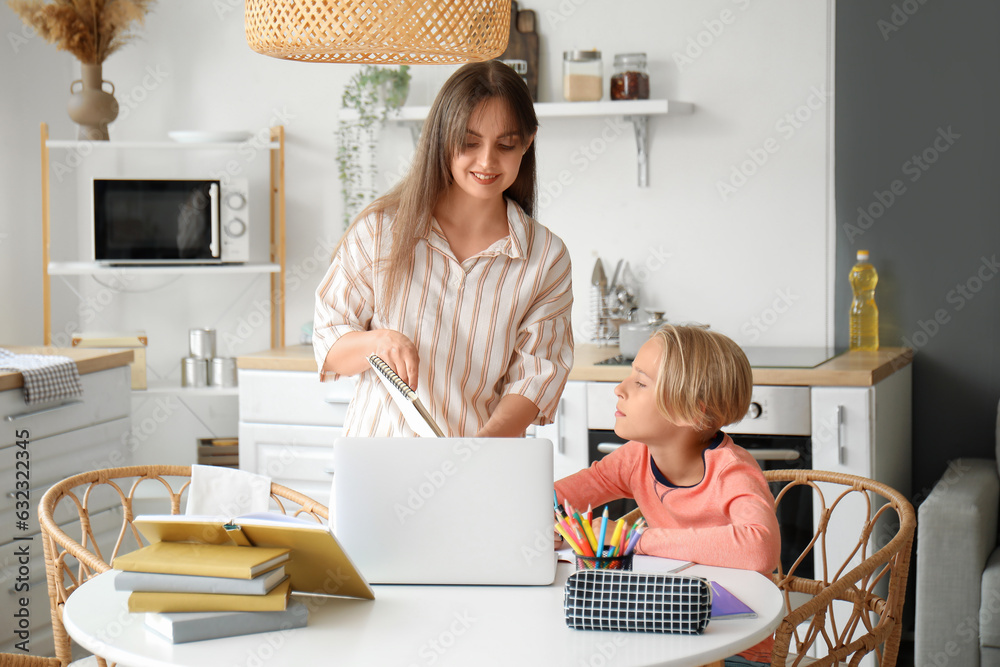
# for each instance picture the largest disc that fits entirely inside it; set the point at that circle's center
(936, 239)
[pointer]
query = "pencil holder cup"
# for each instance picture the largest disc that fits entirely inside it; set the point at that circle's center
(604, 562)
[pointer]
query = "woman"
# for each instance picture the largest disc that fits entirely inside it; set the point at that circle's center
(449, 280)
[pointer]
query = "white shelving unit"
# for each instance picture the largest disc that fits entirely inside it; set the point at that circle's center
(164, 388)
(275, 145)
(637, 112)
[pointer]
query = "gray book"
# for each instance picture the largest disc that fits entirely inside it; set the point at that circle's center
(182, 627)
(154, 582)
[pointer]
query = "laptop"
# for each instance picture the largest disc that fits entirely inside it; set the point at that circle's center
(446, 510)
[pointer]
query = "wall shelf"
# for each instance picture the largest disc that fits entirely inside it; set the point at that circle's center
(167, 145)
(95, 268)
(635, 111)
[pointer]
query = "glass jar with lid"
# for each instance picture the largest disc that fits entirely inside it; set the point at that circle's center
(629, 79)
(583, 76)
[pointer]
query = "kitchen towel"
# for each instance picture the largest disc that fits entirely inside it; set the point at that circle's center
(227, 492)
(47, 377)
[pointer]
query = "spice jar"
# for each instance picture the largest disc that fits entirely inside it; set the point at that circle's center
(583, 76)
(629, 80)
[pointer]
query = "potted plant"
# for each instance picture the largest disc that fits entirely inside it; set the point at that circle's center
(91, 30)
(371, 95)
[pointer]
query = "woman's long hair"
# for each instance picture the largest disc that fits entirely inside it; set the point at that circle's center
(410, 203)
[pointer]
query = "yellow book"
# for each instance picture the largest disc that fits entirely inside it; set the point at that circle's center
(318, 564)
(208, 560)
(275, 600)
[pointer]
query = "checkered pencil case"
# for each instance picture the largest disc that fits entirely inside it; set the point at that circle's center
(637, 602)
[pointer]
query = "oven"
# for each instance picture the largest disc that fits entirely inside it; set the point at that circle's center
(776, 431)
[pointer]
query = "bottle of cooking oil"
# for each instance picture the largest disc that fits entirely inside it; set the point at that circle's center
(864, 312)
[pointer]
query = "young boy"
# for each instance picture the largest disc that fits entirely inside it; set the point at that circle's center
(704, 498)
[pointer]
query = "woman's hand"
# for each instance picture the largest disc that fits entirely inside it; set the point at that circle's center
(397, 350)
(349, 355)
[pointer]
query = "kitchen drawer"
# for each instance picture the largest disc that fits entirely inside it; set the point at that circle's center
(53, 459)
(295, 456)
(106, 527)
(106, 396)
(293, 397)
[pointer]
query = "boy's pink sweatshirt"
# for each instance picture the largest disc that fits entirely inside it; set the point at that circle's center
(727, 519)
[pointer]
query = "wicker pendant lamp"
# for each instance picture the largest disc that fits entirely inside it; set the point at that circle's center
(385, 32)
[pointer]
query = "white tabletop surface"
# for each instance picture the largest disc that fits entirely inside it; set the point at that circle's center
(428, 625)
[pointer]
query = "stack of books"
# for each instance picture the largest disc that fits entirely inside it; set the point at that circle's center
(190, 591)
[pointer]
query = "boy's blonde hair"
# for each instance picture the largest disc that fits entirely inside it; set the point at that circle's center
(704, 379)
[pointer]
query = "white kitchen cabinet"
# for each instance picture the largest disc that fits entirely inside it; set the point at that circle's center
(288, 421)
(62, 439)
(568, 432)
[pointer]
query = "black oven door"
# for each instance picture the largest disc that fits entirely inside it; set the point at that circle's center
(772, 452)
(150, 221)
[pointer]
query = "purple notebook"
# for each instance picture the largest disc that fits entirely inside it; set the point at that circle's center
(726, 605)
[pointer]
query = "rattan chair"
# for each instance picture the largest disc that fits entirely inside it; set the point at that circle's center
(25, 660)
(66, 507)
(868, 576)
(871, 582)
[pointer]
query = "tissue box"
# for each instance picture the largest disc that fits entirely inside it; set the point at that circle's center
(135, 342)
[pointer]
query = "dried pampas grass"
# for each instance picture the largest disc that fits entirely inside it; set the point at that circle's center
(89, 29)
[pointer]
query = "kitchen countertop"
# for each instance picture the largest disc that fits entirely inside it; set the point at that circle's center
(850, 369)
(88, 360)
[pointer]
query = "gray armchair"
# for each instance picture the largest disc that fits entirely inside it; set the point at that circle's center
(958, 568)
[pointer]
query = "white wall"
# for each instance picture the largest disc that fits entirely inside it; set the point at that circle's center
(754, 264)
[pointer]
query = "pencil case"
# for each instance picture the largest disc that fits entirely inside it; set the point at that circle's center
(637, 602)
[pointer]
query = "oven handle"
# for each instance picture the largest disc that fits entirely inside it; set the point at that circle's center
(763, 454)
(213, 194)
(608, 447)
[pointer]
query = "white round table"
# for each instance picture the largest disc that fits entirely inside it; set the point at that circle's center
(428, 625)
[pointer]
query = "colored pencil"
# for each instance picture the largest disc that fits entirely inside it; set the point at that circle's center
(617, 536)
(604, 531)
(630, 547)
(589, 531)
(569, 540)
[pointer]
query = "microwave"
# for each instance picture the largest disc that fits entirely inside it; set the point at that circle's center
(167, 221)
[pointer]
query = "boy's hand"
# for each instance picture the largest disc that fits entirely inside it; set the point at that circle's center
(559, 542)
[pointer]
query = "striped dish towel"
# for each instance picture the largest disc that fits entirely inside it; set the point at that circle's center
(47, 377)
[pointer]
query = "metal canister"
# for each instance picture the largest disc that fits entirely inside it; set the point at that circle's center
(223, 372)
(194, 372)
(201, 343)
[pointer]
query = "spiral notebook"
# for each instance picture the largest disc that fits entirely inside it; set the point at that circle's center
(417, 416)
